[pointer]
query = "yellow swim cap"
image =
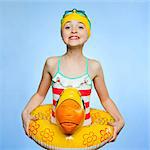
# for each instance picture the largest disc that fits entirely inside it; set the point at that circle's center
(76, 15)
(70, 93)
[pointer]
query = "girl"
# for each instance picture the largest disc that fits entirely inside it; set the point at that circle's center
(73, 69)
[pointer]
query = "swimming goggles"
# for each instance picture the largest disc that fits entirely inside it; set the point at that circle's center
(80, 12)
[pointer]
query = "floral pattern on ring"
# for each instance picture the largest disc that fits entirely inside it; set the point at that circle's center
(89, 139)
(105, 134)
(47, 135)
(33, 128)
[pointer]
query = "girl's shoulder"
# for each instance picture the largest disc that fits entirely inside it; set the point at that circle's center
(51, 63)
(93, 63)
(52, 60)
(94, 67)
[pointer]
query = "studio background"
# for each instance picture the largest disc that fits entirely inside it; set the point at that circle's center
(30, 32)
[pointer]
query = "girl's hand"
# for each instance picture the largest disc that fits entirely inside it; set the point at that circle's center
(118, 125)
(26, 120)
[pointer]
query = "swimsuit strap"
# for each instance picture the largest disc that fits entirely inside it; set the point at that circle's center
(86, 66)
(59, 63)
(59, 59)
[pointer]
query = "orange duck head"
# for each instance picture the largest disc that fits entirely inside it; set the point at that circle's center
(70, 110)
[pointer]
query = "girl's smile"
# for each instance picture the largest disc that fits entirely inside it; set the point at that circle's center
(74, 37)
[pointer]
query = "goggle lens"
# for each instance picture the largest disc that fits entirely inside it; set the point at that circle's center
(80, 12)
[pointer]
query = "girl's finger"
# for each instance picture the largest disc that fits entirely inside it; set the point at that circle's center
(33, 118)
(113, 138)
(111, 123)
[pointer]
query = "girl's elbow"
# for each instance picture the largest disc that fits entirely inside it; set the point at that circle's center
(41, 96)
(105, 100)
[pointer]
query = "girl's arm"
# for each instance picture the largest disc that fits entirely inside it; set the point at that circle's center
(38, 97)
(106, 101)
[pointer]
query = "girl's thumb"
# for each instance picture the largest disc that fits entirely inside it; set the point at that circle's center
(33, 118)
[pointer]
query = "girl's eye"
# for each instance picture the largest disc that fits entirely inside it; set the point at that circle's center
(67, 27)
(81, 27)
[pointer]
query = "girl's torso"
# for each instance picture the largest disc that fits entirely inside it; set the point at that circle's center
(83, 83)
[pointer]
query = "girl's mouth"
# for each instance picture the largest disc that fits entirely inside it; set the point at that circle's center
(73, 37)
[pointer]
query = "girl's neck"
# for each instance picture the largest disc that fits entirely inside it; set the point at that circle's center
(74, 52)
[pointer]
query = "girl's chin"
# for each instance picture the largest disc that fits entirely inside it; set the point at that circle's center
(75, 45)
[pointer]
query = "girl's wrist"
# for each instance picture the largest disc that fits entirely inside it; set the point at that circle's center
(120, 120)
(121, 123)
(25, 113)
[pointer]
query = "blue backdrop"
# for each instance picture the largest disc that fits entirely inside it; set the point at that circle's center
(30, 32)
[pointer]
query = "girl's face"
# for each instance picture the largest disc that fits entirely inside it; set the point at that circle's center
(74, 33)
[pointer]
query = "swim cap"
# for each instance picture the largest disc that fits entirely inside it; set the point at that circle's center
(78, 15)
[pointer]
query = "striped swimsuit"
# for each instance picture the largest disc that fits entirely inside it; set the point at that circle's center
(83, 83)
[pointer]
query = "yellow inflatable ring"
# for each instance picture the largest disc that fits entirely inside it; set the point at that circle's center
(49, 136)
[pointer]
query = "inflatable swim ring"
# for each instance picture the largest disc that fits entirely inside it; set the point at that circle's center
(50, 136)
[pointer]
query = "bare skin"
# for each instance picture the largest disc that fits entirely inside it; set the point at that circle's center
(74, 35)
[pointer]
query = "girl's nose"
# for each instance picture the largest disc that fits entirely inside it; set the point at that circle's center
(74, 30)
